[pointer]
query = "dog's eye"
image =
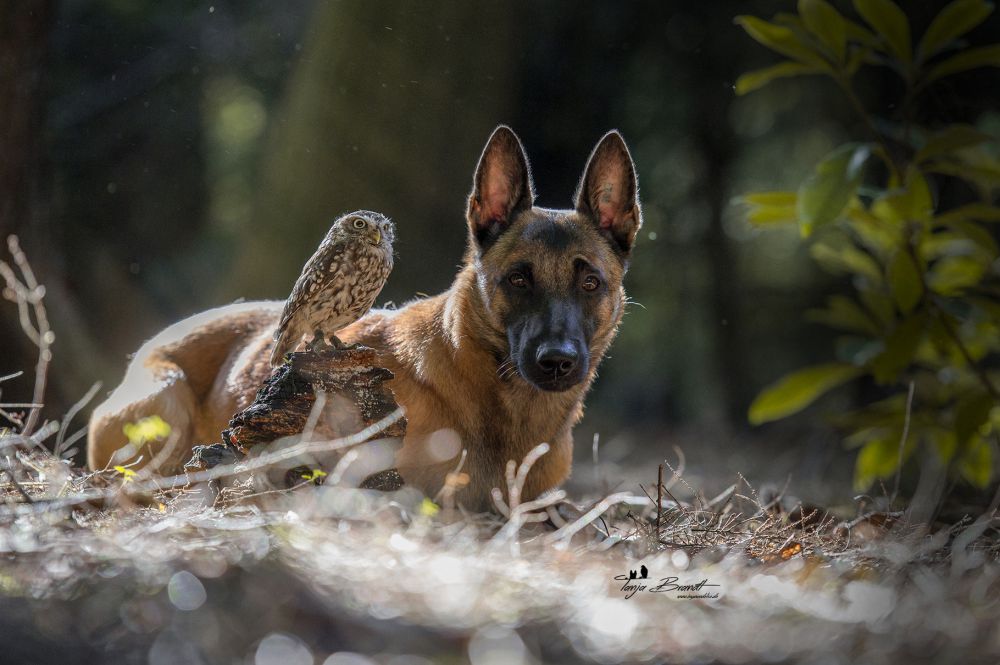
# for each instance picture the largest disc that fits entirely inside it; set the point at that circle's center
(517, 279)
(591, 283)
(359, 223)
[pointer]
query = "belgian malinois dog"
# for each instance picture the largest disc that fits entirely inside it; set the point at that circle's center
(495, 365)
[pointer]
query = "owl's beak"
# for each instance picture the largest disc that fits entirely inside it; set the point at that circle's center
(376, 236)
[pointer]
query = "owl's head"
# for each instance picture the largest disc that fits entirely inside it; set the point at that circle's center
(374, 227)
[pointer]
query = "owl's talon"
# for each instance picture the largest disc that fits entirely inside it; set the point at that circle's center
(318, 343)
(336, 343)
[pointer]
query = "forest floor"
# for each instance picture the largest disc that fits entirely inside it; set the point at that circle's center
(96, 568)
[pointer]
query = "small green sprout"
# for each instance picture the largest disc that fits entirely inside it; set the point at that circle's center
(314, 474)
(428, 508)
(127, 474)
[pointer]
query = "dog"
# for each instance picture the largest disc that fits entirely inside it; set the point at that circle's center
(494, 366)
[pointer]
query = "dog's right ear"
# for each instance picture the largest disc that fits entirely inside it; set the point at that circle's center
(501, 189)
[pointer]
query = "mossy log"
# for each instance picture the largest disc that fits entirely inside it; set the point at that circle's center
(354, 396)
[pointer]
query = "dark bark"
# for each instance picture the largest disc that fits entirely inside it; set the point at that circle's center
(355, 393)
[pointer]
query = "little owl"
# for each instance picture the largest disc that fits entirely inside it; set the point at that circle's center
(339, 284)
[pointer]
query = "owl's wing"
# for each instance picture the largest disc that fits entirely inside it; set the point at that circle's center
(322, 268)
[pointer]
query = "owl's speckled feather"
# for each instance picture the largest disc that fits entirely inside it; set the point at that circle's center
(339, 283)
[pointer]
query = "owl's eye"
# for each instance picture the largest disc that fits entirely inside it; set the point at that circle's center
(359, 223)
(591, 283)
(517, 280)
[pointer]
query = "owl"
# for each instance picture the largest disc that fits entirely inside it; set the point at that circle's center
(339, 284)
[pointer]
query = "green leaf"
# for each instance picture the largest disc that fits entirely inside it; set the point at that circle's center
(980, 212)
(943, 441)
(879, 304)
(826, 23)
(900, 348)
(951, 275)
(984, 56)
(859, 34)
(758, 78)
(910, 203)
(982, 240)
(971, 413)
(984, 174)
(798, 390)
(956, 19)
(769, 208)
(955, 137)
(859, 55)
(976, 463)
(824, 195)
(904, 281)
(890, 22)
(846, 258)
(856, 350)
(877, 459)
(769, 198)
(844, 314)
(872, 233)
(781, 39)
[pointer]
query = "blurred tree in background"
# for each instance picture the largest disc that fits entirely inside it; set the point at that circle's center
(192, 153)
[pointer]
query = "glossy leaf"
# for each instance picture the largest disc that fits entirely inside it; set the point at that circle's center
(768, 198)
(910, 203)
(855, 350)
(980, 212)
(890, 22)
(953, 274)
(976, 463)
(879, 304)
(798, 390)
(984, 246)
(826, 23)
(824, 195)
(758, 78)
(859, 34)
(846, 258)
(973, 58)
(956, 19)
(944, 442)
(844, 314)
(877, 459)
(971, 413)
(770, 208)
(781, 39)
(904, 281)
(900, 348)
(984, 174)
(955, 137)
(872, 233)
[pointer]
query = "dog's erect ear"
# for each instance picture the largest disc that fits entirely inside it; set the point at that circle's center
(502, 187)
(609, 192)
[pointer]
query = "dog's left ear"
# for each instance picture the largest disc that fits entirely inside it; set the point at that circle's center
(502, 187)
(609, 192)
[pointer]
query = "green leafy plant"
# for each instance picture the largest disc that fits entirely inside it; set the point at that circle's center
(923, 316)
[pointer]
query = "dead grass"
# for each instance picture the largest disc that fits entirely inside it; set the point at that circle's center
(213, 567)
(538, 584)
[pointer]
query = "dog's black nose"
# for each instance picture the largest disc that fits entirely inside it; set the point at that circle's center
(557, 360)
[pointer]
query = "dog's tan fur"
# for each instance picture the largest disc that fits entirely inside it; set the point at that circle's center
(447, 352)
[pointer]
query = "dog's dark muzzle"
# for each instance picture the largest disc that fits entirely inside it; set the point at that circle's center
(554, 365)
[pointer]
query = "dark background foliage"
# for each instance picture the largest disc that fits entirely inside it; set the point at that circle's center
(164, 158)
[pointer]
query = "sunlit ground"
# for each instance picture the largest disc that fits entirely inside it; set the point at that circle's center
(323, 574)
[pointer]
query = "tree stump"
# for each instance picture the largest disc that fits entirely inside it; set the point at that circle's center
(332, 393)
